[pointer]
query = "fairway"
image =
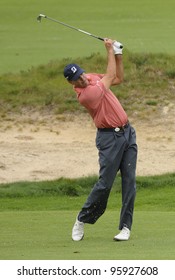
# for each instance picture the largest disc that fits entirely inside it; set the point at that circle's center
(142, 26)
(47, 235)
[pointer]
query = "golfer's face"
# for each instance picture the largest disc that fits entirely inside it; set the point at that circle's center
(81, 82)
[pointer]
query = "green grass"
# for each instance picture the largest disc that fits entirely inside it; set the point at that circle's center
(142, 26)
(74, 189)
(47, 235)
(36, 220)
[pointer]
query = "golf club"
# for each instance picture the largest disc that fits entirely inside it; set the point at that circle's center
(72, 27)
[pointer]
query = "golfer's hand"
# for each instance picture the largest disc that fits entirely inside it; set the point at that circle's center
(117, 47)
(108, 44)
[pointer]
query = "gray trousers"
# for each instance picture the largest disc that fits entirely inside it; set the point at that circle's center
(117, 151)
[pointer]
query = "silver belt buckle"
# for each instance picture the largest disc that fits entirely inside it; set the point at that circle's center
(117, 129)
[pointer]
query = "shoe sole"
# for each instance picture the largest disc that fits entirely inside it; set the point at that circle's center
(115, 239)
(79, 239)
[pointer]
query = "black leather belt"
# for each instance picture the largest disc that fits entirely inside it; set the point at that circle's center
(116, 129)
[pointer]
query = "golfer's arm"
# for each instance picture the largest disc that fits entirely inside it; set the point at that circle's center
(110, 75)
(119, 70)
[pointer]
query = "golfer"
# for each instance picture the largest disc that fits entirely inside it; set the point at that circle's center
(115, 141)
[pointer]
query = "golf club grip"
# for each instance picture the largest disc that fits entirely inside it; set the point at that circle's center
(102, 39)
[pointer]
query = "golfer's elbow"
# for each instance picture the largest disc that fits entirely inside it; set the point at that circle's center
(118, 80)
(111, 77)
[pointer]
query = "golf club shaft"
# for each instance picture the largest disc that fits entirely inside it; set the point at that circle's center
(67, 25)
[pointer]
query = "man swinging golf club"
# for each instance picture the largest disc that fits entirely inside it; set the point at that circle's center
(115, 140)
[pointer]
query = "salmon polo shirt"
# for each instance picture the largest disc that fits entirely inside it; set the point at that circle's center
(102, 104)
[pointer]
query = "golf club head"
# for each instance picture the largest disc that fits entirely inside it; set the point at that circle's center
(40, 17)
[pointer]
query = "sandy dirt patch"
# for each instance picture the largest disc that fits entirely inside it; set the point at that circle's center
(53, 148)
